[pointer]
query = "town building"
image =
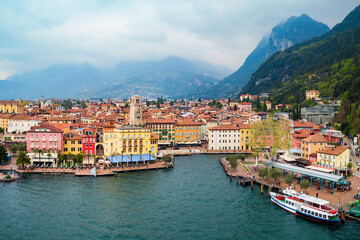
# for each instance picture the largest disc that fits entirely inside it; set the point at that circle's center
(246, 137)
(312, 144)
(187, 131)
(312, 94)
(72, 143)
(333, 157)
(245, 107)
(4, 121)
(164, 128)
(47, 138)
(89, 141)
(21, 124)
(224, 137)
(135, 111)
(319, 114)
(130, 142)
(12, 107)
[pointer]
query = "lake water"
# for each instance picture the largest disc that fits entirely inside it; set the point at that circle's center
(195, 200)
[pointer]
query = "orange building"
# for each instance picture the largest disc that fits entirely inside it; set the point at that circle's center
(187, 131)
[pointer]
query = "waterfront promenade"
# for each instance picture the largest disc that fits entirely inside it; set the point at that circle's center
(342, 198)
(101, 171)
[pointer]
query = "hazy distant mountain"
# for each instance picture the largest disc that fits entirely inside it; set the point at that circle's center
(167, 77)
(283, 36)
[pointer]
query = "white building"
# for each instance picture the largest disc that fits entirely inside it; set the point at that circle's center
(224, 137)
(21, 124)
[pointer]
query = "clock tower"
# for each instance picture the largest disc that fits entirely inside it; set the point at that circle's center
(135, 111)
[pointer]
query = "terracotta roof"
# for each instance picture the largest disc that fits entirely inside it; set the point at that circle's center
(316, 138)
(303, 133)
(162, 121)
(187, 123)
(246, 126)
(45, 126)
(333, 151)
(20, 117)
(6, 115)
(224, 127)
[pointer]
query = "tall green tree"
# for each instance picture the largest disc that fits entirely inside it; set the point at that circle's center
(3, 154)
(270, 136)
(22, 159)
(275, 173)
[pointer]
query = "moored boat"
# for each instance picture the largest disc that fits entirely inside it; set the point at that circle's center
(312, 208)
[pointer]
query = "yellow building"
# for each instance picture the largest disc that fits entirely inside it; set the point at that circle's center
(246, 136)
(187, 131)
(312, 94)
(312, 144)
(130, 141)
(4, 121)
(72, 143)
(333, 158)
(11, 106)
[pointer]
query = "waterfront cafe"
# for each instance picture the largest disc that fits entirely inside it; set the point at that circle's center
(323, 177)
(136, 158)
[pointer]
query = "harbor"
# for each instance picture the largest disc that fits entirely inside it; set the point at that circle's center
(337, 199)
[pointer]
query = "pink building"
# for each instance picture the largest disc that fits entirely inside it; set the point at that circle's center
(45, 137)
(245, 107)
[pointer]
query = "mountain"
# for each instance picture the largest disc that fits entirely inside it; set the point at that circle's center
(330, 64)
(172, 76)
(166, 77)
(282, 36)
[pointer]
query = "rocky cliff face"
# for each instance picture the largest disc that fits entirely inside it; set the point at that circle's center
(282, 36)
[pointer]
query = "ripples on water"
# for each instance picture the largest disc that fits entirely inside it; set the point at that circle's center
(192, 201)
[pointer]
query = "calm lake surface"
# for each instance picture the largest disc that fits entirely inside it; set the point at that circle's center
(195, 200)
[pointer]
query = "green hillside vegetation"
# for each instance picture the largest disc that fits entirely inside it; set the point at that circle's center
(329, 63)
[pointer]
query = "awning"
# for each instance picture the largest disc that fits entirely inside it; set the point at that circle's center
(287, 158)
(320, 169)
(133, 158)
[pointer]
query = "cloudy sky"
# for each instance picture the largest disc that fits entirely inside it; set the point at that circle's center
(36, 34)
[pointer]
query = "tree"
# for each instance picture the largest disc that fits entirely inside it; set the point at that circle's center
(166, 158)
(263, 172)
(258, 105)
(275, 173)
(305, 184)
(349, 166)
(241, 157)
(255, 155)
(270, 136)
(49, 156)
(265, 106)
(288, 179)
(40, 152)
(3, 154)
(78, 158)
(22, 159)
(60, 157)
(235, 107)
(94, 156)
(232, 159)
(1, 130)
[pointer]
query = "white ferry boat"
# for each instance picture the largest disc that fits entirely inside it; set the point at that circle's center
(306, 206)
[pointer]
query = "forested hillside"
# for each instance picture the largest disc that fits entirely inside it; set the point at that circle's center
(329, 63)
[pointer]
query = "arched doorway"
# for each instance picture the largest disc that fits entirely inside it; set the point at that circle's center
(99, 150)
